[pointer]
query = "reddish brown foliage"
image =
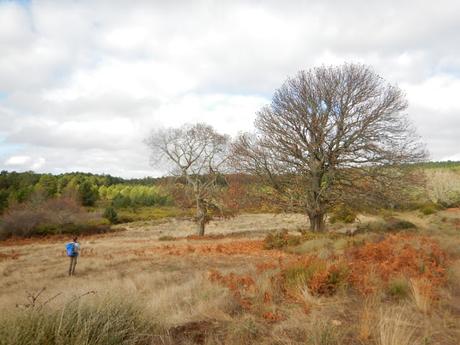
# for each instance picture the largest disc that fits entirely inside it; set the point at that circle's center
(411, 256)
(273, 316)
(237, 284)
(366, 268)
(266, 266)
(322, 277)
(244, 247)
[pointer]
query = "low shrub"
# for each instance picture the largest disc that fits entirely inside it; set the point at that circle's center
(389, 224)
(428, 209)
(396, 224)
(374, 265)
(398, 288)
(111, 215)
(343, 214)
(103, 321)
(281, 239)
(322, 277)
(126, 215)
(61, 215)
(71, 228)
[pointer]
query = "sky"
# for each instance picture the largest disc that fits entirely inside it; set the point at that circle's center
(82, 83)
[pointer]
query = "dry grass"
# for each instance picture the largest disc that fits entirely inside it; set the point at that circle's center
(168, 284)
(422, 293)
(397, 327)
(367, 317)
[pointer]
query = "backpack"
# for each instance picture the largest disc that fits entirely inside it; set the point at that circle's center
(69, 248)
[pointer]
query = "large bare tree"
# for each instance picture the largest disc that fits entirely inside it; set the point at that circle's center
(329, 134)
(198, 154)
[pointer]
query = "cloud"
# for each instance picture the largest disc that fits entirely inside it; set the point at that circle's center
(18, 160)
(25, 162)
(86, 81)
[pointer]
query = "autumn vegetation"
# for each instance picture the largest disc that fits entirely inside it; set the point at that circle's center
(324, 226)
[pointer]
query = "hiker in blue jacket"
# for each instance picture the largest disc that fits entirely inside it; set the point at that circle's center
(73, 250)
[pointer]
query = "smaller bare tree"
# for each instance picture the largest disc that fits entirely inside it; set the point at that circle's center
(197, 153)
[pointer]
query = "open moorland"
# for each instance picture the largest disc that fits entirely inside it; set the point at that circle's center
(387, 279)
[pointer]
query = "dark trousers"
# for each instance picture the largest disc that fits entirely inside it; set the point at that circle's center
(73, 263)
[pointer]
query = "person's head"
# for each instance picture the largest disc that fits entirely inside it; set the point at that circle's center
(75, 239)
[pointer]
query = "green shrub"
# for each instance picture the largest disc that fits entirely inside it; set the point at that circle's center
(395, 224)
(398, 288)
(343, 214)
(428, 209)
(389, 224)
(126, 215)
(111, 215)
(72, 228)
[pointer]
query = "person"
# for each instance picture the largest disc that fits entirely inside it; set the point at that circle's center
(73, 250)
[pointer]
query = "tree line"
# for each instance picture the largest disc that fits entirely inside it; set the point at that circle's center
(18, 187)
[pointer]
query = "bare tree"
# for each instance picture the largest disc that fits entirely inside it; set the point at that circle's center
(329, 133)
(198, 154)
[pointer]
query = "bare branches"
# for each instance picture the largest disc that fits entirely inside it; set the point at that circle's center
(199, 154)
(36, 302)
(324, 126)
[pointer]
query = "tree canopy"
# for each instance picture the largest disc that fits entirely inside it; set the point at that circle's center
(328, 133)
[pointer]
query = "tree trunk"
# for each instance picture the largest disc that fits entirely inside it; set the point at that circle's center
(315, 204)
(317, 222)
(201, 214)
(200, 228)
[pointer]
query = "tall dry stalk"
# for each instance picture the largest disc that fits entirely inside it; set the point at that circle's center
(367, 317)
(397, 327)
(422, 293)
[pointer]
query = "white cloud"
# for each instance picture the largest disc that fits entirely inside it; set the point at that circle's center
(18, 160)
(86, 81)
(438, 93)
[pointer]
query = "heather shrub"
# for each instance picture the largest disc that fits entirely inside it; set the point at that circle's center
(61, 215)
